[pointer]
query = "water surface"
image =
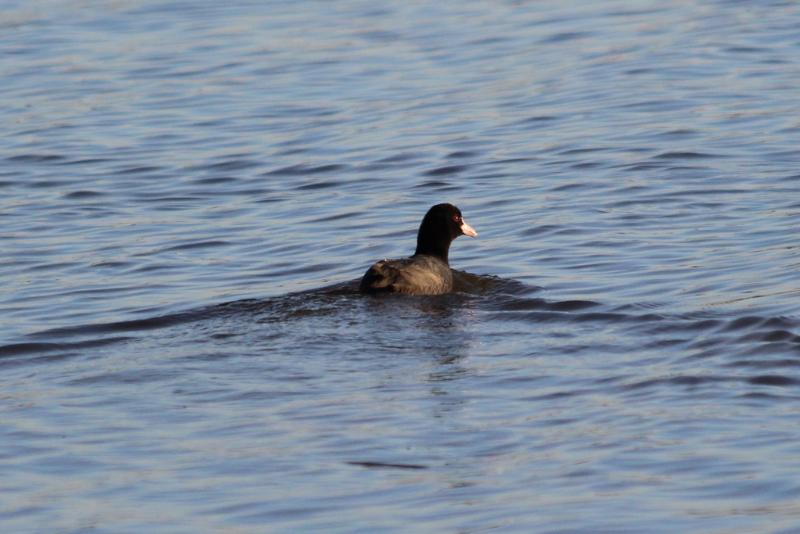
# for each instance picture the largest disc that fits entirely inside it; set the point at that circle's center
(191, 191)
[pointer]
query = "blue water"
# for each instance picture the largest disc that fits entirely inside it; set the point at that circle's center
(190, 192)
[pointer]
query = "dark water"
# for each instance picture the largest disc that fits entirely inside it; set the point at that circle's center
(190, 191)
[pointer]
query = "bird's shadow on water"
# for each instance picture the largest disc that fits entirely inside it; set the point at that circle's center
(438, 328)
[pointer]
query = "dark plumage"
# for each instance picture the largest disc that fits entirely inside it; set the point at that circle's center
(427, 272)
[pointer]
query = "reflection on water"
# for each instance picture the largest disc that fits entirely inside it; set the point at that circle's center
(192, 190)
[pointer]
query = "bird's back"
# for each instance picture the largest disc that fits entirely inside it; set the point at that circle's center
(417, 275)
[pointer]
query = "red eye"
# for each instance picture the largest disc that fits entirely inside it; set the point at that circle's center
(456, 218)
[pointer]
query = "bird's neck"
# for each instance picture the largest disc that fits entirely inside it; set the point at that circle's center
(439, 249)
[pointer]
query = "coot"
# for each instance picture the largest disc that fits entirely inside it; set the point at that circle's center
(427, 272)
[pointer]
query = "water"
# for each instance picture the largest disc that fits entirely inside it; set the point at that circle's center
(191, 190)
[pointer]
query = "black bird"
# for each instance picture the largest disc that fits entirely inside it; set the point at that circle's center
(427, 272)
